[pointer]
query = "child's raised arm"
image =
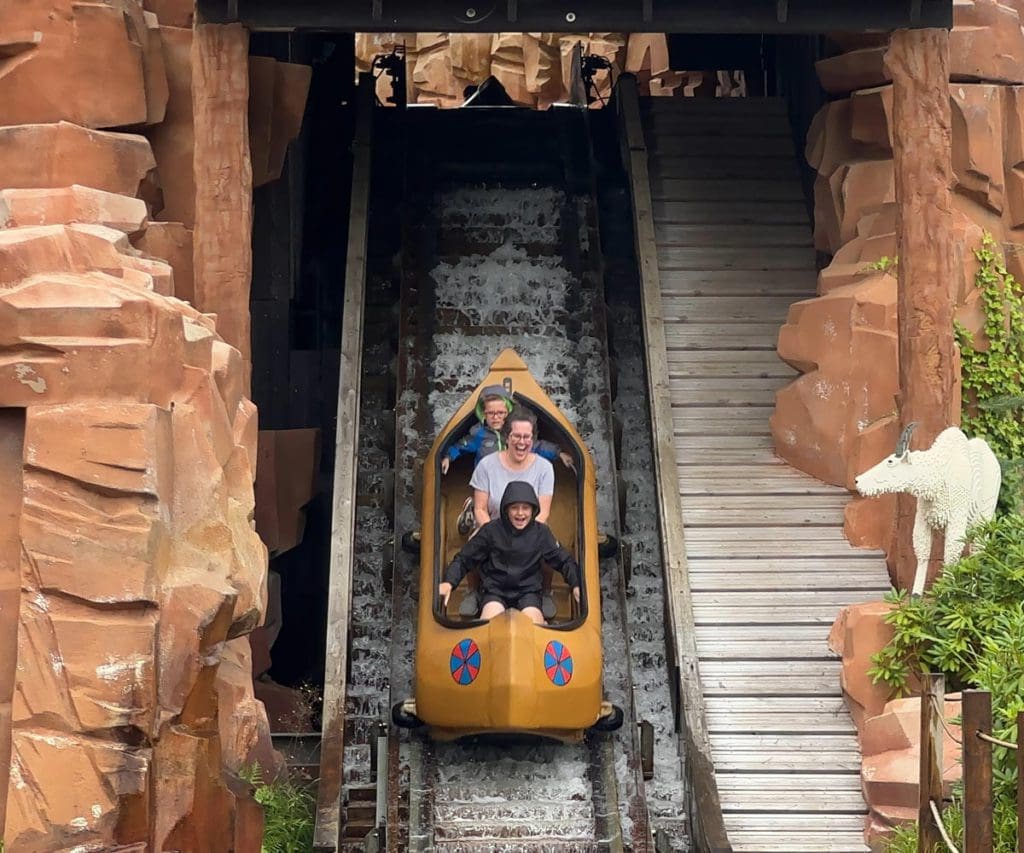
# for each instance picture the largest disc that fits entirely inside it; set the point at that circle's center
(551, 451)
(469, 443)
(475, 551)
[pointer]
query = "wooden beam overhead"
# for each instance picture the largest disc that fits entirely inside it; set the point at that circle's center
(669, 16)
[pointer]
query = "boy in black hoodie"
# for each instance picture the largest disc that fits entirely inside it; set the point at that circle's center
(510, 550)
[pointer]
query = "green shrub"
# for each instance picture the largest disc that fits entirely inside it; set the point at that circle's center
(972, 608)
(970, 626)
(288, 808)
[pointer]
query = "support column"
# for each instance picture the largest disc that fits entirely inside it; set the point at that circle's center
(918, 62)
(222, 247)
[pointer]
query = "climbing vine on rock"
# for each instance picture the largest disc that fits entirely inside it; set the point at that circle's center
(993, 378)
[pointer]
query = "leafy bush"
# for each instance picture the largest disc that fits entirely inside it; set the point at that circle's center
(970, 626)
(288, 807)
(972, 610)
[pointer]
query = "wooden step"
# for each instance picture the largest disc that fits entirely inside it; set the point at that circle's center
(753, 753)
(713, 308)
(797, 284)
(672, 141)
(720, 420)
(735, 258)
(742, 235)
(696, 392)
(734, 126)
(684, 165)
(714, 106)
(733, 456)
(717, 614)
(721, 336)
(824, 549)
(868, 581)
(756, 363)
(749, 191)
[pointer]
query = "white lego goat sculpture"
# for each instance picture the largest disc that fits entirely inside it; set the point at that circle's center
(956, 483)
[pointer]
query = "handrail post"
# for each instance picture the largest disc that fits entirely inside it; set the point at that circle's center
(1020, 782)
(933, 697)
(977, 717)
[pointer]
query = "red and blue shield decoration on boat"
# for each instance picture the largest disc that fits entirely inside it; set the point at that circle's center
(558, 663)
(465, 662)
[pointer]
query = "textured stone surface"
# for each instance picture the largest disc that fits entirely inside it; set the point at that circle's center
(173, 139)
(170, 242)
(277, 102)
(40, 156)
(94, 64)
(71, 204)
(858, 633)
(890, 744)
(839, 413)
(985, 45)
(12, 435)
(172, 13)
(137, 452)
(78, 248)
(285, 483)
(850, 145)
(535, 68)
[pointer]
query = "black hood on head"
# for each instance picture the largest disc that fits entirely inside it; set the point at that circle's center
(518, 492)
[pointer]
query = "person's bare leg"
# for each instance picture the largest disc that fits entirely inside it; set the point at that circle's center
(535, 615)
(492, 609)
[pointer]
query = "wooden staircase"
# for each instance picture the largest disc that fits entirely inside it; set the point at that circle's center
(768, 564)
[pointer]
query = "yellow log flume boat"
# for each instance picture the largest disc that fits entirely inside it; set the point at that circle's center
(509, 675)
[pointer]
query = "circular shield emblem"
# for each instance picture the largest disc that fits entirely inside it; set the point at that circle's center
(558, 663)
(465, 662)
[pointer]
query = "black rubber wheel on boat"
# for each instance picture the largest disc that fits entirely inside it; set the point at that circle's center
(611, 723)
(411, 542)
(607, 547)
(403, 719)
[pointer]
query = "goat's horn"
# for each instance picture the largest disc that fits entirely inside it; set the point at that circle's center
(904, 441)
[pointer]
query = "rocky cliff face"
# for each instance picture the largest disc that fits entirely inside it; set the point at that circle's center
(130, 569)
(839, 418)
(534, 68)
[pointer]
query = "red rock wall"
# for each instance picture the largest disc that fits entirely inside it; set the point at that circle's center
(839, 418)
(12, 438)
(130, 569)
(535, 68)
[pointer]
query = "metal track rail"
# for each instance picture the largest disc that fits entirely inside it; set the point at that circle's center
(332, 750)
(706, 821)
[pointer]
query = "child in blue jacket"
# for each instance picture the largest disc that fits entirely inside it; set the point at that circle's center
(486, 437)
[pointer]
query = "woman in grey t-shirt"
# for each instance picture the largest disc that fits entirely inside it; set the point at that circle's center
(515, 462)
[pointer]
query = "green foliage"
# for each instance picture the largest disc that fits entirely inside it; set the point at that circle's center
(288, 807)
(970, 611)
(970, 626)
(884, 264)
(1004, 827)
(1011, 492)
(993, 379)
